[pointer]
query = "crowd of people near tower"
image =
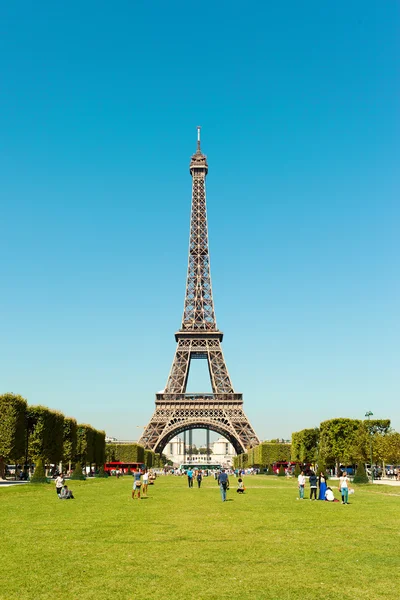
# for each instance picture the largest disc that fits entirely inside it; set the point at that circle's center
(142, 477)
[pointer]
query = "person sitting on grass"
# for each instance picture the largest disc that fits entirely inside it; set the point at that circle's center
(240, 487)
(329, 497)
(66, 494)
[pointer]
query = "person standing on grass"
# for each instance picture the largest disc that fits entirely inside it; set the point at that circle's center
(190, 477)
(344, 487)
(322, 486)
(199, 477)
(145, 482)
(313, 485)
(59, 483)
(301, 483)
(223, 484)
(136, 483)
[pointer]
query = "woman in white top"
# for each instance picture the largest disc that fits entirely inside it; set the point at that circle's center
(59, 483)
(145, 482)
(344, 487)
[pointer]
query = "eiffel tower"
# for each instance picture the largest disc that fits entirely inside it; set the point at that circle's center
(199, 338)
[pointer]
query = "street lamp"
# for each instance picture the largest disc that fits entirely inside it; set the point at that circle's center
(369, 414)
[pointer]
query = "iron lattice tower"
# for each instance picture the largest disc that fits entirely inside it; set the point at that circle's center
(199, 338)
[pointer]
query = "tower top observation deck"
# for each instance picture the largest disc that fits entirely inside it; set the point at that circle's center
(198, 162)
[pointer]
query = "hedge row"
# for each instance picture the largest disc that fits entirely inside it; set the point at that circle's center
(42, 435)
(132, 453)
(128, 453)
(12, 429)
(263, 455)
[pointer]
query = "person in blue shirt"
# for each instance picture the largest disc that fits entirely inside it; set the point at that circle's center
(136, 483)
(223, 484)
(190, 477)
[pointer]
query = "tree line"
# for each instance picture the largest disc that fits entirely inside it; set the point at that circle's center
(335, 442)
(39, 435)
(347, 441)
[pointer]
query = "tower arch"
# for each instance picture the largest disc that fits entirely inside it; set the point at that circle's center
(181, 426)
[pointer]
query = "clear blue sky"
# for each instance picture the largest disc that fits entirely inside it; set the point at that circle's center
(299, 104)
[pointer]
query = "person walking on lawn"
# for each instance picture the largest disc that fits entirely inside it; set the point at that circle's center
(223, 484)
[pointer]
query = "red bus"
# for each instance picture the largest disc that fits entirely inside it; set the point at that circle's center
(122, 466)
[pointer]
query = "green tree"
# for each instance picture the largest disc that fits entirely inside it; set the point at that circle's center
(360, 476)
(45, 431)
(99, 450)
(387, 447)
(203, 450)
(110, 452)
(380, 426)
(281, 472)
(103, 473)
(148, 458)
(304, 445)
(129, 453)
(339, 441)
(77, 472)
(269, 452)
(322, 468)
(69, 440)
(12, 429)
(39, 475)
(85, 444)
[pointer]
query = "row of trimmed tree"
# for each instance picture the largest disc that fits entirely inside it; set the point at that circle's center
(134, 453)
(265, 455)
(347, 441)
(39, 435)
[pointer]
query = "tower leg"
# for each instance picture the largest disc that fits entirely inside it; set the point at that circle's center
(178, 376)
(190, 444)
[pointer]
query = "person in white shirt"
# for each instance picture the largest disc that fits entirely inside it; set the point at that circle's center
(59, 483)
(344, 487)
(145, 482)
(301, 482)
(329, 495)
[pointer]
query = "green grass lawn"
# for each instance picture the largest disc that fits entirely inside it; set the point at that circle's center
(185, 543)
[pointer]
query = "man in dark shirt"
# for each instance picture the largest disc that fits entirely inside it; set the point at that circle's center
(313, 485)
(223, 484)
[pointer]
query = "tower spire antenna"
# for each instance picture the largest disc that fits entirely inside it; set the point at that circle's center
(198, 138)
